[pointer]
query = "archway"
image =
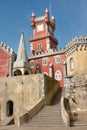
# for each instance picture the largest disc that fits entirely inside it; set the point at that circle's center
(17, 72)
(26, 73)
(9, 108)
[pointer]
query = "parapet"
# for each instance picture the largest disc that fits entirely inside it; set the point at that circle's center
(6, 48)
(47, 53)
(77, 43)
(77, 40)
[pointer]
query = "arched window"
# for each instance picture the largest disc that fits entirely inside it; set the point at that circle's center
(58, 75)
(71, 64)
(9, 108)
(57, 59)
(44, 61)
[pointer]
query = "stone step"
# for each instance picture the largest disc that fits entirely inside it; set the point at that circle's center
(44, 126)
(49, 119)
(79, 123)
(48, 116)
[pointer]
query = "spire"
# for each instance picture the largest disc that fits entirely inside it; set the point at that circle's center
(21, 65)
(46, 15)
(21, 55)
(32, 19)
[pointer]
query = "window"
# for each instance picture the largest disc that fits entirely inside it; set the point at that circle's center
(32, 64)
(57, 59)
(71, 64)
(39, 47)
(44, 61)
(9, 108)
(58, 75)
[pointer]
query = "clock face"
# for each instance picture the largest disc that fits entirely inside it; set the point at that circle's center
(40, 27)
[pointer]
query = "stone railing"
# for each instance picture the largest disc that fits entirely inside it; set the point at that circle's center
(65, 115)
(25, 116)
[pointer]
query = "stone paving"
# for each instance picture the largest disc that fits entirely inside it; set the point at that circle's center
(43, 128)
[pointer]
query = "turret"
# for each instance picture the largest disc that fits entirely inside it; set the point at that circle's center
(53, 21)
(21, 66)
(33, 20)
(47, 15)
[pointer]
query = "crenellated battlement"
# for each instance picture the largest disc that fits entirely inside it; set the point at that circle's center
(38, 19)
(76, 44)
(47, 53)
(6, 48)
(76, 40)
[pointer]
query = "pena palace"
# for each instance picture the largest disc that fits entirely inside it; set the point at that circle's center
(45, 56)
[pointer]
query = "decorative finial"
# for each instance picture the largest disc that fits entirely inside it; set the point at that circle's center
(33, 14)
(46, 10)
(53, 17)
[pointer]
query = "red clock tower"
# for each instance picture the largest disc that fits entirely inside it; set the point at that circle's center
(43, 33)
(44, 55)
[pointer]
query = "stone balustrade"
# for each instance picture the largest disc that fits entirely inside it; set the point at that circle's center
(64, 112)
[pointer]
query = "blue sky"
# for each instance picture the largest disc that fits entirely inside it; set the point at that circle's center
(70, 15)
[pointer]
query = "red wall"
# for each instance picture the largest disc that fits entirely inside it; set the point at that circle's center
(4, 63)
(56, 66)
(42, 42)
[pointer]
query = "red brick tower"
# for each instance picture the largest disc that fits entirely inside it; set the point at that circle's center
(43, 33)
(44, 55)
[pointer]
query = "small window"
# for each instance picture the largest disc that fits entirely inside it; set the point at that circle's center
(32, 64)
(57, 59)
(39, 47)
(44, 61)
(58, 75)
(71, 64)
(9, 108)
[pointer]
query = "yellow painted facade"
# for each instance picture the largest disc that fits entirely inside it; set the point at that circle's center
(76, 51)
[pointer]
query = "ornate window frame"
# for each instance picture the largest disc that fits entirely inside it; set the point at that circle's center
(44, 61)
(57, 59)
(71, 64)
(58, 75)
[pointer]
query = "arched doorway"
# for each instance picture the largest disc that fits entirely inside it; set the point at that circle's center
(9, 108)
(17, 72)
(26, 73)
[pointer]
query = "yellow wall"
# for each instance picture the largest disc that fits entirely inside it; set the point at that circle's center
(80, 61)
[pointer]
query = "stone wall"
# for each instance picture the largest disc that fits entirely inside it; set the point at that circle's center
(80, 86)
(25, 92)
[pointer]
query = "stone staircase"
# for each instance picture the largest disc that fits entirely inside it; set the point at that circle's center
(79, 123)
(49, 116)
